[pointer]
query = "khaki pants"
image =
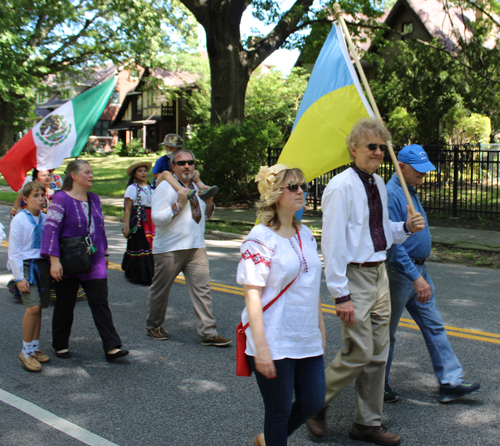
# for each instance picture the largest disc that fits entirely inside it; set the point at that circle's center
(366, 344)
(194, 264)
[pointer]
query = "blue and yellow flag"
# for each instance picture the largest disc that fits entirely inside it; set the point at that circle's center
(333, 102)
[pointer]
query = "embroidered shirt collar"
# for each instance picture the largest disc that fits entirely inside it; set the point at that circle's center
(364, 175)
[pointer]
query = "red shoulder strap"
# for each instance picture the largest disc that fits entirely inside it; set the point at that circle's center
(282, 291)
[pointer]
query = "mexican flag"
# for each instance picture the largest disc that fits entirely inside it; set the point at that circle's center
(60, 135)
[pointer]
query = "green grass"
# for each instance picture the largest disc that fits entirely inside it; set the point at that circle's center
(110, 176)
(234, 228)
(112, 211)
(10, 197)
(110, 179)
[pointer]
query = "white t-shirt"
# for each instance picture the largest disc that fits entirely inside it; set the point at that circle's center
(291, 324)
(145, 193)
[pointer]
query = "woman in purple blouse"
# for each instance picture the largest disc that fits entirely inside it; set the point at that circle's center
(68, 217)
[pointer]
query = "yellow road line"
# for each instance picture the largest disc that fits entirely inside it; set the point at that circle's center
(409, 323)
(483, 338)
(465, 333)
(463, 330)
(326, 310)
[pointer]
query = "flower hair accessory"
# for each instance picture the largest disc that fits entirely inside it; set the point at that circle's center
(267, 176)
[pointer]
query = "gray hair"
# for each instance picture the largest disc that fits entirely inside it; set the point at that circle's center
(73, 167)
(178, 152)
(364, 126)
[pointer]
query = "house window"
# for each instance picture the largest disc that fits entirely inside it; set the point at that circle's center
(41, 97)
(139, 104)
(65, 94)
(149, 104)
(115, 97)
(128, 113)
(407, 29)
(101, 128)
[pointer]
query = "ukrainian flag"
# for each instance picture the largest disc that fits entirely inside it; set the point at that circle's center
(333, 102)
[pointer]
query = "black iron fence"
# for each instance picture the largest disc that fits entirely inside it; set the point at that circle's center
(464, 184)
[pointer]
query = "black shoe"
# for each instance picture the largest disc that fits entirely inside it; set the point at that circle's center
(390, 396)
(447, 394)
(118, 354)
(63, 355)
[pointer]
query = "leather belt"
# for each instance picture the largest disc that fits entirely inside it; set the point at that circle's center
(418, 262)
(367, 264)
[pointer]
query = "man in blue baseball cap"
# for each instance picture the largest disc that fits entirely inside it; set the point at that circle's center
(412, 287)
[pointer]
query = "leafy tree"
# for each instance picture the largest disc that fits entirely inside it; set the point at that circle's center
(272, 97)
(429, 78)
(230, 156)
(43, 37)
(426, 83)
(272, 102)
(233, 58)
(403, 126)
(463, 127)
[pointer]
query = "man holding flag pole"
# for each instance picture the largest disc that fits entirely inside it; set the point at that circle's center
(356, 234)
(356, 226)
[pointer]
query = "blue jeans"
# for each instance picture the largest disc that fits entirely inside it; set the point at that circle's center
(447, 368)
(283, 415)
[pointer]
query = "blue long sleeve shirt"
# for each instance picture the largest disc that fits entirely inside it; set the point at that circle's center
(419, 245)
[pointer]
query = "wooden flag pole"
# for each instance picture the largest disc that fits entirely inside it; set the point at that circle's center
(338, 12)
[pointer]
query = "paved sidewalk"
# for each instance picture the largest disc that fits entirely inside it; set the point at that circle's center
(458, 238)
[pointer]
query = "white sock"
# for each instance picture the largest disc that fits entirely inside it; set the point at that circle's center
(35, 344)
(26, 349)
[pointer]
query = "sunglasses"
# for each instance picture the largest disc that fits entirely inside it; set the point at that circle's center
(183, 163)
(374, 147)
(294, 187)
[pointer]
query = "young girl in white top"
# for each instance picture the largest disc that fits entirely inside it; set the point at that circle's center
(31, 271)
(285, 344)
(139, 227)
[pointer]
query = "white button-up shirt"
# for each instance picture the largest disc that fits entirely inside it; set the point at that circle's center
(20, 241)
(346, 234)
(181, 232)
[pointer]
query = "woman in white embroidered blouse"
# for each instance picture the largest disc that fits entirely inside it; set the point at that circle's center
(139, 229)
(285, 344)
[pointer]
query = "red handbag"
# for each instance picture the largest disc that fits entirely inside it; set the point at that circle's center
(243, 367)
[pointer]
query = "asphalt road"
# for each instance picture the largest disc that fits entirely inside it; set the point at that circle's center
(178, 392)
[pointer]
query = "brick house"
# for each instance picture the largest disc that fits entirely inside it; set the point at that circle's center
(149, 113)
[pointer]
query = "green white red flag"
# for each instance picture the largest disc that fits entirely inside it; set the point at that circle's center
(61, 134)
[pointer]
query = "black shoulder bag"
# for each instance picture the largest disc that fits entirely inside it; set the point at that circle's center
(75, 252)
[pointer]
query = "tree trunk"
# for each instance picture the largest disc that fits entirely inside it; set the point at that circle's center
(230, 64)
(229, 84)
(6, 127)
(229, 68)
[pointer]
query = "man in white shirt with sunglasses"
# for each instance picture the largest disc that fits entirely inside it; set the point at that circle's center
(179, 245)
(356, 235)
